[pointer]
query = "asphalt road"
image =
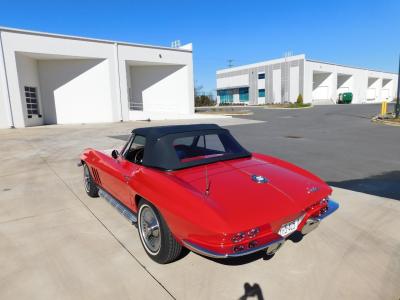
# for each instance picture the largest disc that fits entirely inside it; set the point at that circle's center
(337, 142)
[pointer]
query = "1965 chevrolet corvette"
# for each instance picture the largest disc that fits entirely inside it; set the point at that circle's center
(195, 186)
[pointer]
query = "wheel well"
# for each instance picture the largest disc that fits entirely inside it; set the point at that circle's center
(137, 199)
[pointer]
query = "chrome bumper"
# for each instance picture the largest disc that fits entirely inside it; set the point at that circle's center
(270, 248)
(313, 223)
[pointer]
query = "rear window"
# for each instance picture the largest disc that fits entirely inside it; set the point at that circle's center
(199, 147)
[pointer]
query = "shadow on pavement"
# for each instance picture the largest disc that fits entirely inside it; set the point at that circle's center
(124, 137)
(384, 185)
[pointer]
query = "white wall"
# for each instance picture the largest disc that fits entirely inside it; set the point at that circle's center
(358, 81)
(108, 79)
(294, 83)
(5, 116)
(233, 81)
(76, 91)
(158, 88)
(174, 92)
(28, 76)
(276, 88)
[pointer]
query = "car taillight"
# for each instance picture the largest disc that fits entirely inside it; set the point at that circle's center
(238, 237)
(253, 232)
(250, 234)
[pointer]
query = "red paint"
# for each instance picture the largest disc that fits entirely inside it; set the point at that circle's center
(234, 204)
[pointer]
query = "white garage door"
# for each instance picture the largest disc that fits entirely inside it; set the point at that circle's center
(342, 89)
(371, 94)
(385, 94)
(321, 93)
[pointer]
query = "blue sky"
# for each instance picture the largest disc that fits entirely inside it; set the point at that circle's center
(358, 33)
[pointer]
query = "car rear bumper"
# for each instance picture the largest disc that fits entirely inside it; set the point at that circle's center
(313, 222)
(270, 247)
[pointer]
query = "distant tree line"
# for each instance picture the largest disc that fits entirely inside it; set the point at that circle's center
(203, 99)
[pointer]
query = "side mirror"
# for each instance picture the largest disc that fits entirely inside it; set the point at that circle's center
(115, 154)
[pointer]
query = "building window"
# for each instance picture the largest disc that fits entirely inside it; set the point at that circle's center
(261, 75)
(244, 94)
(261, 93)
(225, 96)
(32, 106)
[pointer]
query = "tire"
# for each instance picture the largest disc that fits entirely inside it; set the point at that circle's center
(90, 187)
(156, 238)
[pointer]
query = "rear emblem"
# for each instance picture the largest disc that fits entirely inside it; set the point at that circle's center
(259, 179)
(312, 189)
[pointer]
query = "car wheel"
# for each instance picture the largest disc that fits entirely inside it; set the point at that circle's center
(156, 238)
(90, 187)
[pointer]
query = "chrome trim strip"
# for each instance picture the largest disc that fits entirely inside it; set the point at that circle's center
(332, 207)
(122, 209)
(205, 252)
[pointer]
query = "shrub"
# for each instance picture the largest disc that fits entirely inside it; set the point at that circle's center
(299, 99)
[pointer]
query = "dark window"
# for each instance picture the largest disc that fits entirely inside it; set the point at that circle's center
(261, 75)
(135, 149)
(261, 93)
(203, 147)
(32, 106)
(244, 94)
(225, 96)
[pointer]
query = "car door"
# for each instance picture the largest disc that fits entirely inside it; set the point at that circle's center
(124, 170)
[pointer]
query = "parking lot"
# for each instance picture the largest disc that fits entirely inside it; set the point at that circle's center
(55, 242)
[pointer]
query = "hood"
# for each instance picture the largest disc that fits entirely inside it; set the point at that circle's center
(243, 203)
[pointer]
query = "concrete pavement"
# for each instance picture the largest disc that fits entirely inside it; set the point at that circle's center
(55, 242)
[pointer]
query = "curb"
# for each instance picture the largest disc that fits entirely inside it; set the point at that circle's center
(385, 122)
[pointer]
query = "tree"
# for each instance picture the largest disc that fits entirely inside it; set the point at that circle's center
(204, 100)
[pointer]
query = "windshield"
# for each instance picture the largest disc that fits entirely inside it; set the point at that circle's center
(200, 147)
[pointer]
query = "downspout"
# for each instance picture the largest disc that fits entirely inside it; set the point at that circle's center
(119, 80)
(3, 62)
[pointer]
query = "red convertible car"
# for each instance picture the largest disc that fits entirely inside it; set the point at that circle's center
(195, 186)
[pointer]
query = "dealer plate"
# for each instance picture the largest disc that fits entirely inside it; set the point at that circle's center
(290, 227)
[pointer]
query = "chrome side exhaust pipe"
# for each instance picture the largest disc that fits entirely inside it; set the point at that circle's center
(122, 209)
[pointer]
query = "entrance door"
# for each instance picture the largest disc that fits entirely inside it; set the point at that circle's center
(32, 106)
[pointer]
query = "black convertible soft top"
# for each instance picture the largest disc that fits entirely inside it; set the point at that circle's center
(159, 151)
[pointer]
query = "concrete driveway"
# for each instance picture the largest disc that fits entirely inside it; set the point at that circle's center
(55, 242)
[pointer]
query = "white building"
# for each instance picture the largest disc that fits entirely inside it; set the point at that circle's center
(57, 79)
(282, 80)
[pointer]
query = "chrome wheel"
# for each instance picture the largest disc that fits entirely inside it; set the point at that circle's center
(86, 178)
(149, 228)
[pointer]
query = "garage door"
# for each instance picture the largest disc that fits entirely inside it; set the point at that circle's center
(371, 94)
(342, 89)
(385, 94)
(320, 93)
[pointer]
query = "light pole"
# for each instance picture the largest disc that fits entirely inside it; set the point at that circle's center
(397, 108)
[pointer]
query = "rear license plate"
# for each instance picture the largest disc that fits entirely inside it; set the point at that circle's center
(290, 227)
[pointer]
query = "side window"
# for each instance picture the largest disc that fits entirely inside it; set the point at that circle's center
(213, 142)
(132, 152)
(138, 142)
(186, 141)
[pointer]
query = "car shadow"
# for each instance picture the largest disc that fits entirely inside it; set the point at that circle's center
(386, 185)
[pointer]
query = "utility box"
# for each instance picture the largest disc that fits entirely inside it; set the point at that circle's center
(345, 98)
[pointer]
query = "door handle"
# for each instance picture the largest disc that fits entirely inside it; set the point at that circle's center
(127, 178)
